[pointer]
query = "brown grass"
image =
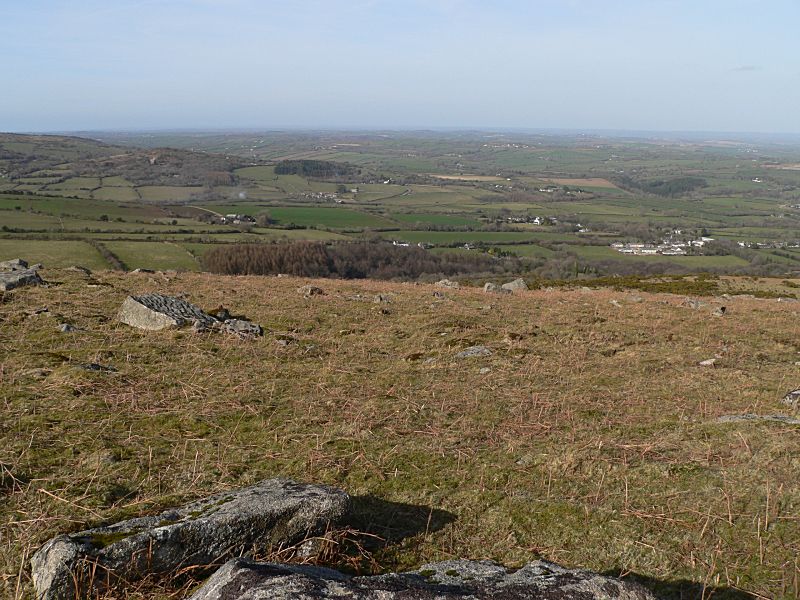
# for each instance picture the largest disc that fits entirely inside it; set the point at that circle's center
(586, 181)
(591, 440)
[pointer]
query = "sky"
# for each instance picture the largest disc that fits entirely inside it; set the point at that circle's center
(659, 65)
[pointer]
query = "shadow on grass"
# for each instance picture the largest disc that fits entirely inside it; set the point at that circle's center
(394, 521)
(683, 589)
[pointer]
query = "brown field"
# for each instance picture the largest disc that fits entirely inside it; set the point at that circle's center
(579, 181)
(786, 167)
(589, 436)
(466, 177)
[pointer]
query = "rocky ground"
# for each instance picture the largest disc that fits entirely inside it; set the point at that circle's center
(592, 428)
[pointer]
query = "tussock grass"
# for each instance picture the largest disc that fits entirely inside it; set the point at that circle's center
(591, 440)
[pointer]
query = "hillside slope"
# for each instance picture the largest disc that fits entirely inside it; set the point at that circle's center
(588, 436)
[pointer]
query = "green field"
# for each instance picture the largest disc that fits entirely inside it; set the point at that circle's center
(56, 254)
(336, 218)
(435, 219)
(153, 255)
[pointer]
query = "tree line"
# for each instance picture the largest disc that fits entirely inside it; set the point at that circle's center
(348, 260)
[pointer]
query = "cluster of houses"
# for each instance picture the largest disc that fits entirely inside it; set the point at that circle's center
(422, 245)
(667, 247)
(327, 196)
(234, 219)
(534, 220)
(769, 245)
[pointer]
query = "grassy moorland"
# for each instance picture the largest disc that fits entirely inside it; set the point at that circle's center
(589, 436)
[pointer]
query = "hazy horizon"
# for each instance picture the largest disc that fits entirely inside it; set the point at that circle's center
(660, 66)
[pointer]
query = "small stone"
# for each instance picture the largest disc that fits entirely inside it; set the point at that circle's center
(693, 304)
(493, 288)
(382, 299)
(484, 370)
(792, 399)
(67, 328)
(98, 367)
(242, 328)
(710, 362)
(615, 303)
(311, 290)
(785, 419)
(446, 283)
(79, 269)
(474, 351)
(719, 311)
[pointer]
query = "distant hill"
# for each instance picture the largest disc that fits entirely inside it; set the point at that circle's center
(62, 157)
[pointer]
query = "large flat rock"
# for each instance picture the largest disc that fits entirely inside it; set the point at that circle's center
(241, 579)
(271, 513)
(156, 312)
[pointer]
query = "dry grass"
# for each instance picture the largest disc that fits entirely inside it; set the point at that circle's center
(468, 177)
(587, 181)
(590, 441)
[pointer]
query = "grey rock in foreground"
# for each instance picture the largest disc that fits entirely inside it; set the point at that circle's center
(155, 312)
(273, 512)
(10, 280)
(518, 285)
(475, 580)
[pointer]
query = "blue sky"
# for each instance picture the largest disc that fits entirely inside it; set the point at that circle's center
(707, 65)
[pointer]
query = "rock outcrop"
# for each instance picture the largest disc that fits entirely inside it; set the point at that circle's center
(271, 513)
(155, 312)
(241, 579)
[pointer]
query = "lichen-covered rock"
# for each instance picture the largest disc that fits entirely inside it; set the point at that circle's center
(13, 279)
(155, 312)
(518, 285)
(241, 579)
(273, 512)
